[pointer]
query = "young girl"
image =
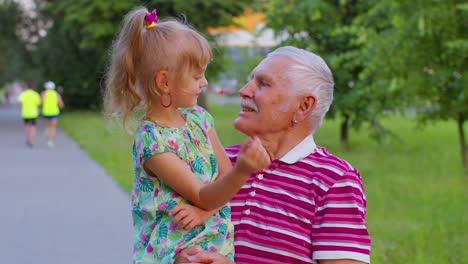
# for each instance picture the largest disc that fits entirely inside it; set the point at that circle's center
(177, 156)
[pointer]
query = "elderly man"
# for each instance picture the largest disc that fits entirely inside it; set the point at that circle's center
(308, 206)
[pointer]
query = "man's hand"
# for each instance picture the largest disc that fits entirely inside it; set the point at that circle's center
(187, 216)
(182, 257)
(208, 257)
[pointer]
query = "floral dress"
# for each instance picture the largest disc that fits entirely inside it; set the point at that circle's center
(156, 239)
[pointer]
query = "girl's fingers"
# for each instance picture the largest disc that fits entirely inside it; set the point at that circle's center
(179, 217)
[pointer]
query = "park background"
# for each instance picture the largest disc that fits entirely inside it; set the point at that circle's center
(399, 114)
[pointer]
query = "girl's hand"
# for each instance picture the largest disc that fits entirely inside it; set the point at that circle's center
(252, 156)
(187, 216)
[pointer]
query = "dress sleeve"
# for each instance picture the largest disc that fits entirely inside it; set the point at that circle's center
(202, 117)
(149, 142)
(339, 228)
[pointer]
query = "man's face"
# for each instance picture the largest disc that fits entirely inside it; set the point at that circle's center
(266, 107)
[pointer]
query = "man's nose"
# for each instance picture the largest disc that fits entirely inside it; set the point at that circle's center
(247, 90)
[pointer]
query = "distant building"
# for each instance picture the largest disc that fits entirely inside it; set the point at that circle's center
(248, 30)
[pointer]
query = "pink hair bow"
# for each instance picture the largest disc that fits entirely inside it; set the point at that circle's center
(151, 18)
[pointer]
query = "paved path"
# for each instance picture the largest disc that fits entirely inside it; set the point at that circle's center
(57, 206)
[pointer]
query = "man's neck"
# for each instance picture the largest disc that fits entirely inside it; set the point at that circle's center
(278, 144)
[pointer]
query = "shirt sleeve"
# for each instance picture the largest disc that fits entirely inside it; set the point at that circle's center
(202, 117)
(339, 228)
(149, 142)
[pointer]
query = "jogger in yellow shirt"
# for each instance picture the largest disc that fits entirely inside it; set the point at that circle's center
(30, 102)
(51, 104)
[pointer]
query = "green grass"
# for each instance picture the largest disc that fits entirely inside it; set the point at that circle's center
(416, 190)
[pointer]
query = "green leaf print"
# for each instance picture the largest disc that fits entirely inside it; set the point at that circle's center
(197, 165)
(204, 244)
(175, 236)
(134, 151)
(158, 217)
(222, 228)
(225, 212)
(137, 212)
(146, 185)
(189, 134)
(146, 153)
(190, 235)
(171, 204)
(162, 232)
(214, 164)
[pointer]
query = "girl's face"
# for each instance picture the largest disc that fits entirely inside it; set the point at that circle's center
(186, 93)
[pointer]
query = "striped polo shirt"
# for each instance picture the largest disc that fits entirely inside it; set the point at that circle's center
(306, 206)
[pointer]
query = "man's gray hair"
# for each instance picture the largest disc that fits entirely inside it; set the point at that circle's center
(310, 75)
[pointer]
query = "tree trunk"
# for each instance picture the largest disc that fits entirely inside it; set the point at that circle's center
(344, 132)
(202, 101)
(463, 146)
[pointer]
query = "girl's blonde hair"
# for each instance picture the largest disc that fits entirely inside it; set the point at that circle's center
(138, 54)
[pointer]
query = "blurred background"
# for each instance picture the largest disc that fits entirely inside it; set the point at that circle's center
(401, 95)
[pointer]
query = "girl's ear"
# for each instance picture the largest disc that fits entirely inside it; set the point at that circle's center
(161, 81)
(306, 106)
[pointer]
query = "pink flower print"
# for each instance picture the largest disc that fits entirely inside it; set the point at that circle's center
(152, 226)
(154, 147)
(212, 249)
(172, 143)
(199, 110)
(185, 134)
(228, 235)
(164, 241)
(149, 248)
(156, 192)
(217, 220)
(177, 250)
(173, 195)
(143, 239)
(162, 206)
(206, 124)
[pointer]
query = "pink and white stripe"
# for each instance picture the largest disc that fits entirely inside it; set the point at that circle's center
(298, 213)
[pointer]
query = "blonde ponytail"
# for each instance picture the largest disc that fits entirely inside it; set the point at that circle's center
(121, 96)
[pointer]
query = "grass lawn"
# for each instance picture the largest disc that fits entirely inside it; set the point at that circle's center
(416, 192)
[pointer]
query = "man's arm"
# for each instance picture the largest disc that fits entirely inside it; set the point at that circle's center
(339, 231)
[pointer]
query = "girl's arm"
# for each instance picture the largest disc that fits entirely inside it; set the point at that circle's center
(187, 216)
(224, 164)
(175, 173)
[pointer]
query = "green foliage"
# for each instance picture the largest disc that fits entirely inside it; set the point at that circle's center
(14, 59)
(332, 29)
(416, 191)
(74, 52)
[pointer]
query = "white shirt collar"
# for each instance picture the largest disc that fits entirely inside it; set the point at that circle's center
(300, 151)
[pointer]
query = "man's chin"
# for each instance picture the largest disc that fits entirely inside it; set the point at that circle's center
(241, 126)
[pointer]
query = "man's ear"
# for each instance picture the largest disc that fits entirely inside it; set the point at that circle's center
(161, 81)
(306, 106)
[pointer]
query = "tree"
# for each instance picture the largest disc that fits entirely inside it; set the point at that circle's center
(14, 57)
(75, 50)
(335, 31)
(426, 53)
